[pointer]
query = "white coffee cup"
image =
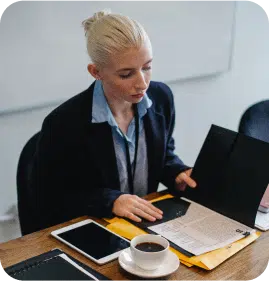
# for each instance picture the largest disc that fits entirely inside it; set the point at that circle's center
(149, 260)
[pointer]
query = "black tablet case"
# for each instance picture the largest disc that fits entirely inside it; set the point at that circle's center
(49, 266)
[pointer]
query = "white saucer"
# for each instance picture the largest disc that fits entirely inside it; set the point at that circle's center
(169, 266)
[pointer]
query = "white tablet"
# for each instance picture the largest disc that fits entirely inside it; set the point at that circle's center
(92, 240)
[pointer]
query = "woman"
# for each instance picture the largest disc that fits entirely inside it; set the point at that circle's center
(103, 149)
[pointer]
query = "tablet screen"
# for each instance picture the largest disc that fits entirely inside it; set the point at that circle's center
(94, 240)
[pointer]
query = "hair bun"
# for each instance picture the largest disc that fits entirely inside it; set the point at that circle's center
(98, 15)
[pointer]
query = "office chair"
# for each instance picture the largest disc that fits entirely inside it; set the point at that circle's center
(23, 189)
(255, 121)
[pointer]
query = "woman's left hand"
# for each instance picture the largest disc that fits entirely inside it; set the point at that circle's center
(183, 179)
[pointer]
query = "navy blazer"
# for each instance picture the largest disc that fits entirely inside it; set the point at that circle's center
(75, 169)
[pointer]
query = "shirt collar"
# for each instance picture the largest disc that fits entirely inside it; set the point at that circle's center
(101, 111)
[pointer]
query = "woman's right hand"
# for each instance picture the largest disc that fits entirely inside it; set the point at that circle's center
(135, 208)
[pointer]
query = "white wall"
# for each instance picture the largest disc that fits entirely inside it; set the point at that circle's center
(49, 48)
(222, 99)
(199, 103)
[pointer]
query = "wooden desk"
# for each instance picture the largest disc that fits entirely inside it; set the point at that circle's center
(245, 265)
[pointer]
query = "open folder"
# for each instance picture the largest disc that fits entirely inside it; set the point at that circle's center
(231, 173)
(206, 261)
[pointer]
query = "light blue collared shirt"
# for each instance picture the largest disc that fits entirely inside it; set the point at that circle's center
(102, 113)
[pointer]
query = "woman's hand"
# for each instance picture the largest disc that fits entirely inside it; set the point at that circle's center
(184, 179)
(135, 208)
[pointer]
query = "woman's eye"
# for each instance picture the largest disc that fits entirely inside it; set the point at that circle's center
(147, 68)
(125, 76)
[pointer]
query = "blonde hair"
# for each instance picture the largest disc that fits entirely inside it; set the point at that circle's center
(107, 33)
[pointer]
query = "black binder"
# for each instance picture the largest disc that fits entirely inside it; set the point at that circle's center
(50, 266)
(232, 174)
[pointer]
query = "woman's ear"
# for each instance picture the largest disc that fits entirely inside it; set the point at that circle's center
(93, 71)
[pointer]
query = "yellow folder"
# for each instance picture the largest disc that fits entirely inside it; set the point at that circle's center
(207, 261)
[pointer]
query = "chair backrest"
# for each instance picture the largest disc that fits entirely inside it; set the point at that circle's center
(23, 188)
(255, 121)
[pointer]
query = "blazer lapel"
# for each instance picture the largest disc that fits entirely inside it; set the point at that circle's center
(102, 147)
(155, 138)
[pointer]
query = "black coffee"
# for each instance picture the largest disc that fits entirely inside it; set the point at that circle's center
(149, 247)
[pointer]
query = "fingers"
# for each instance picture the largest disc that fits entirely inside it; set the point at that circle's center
(184, 177)
(151, 214)
(188, 180)
(144, 215)
(135, 208)
(150, 206)
(132, 216)
(188, 172)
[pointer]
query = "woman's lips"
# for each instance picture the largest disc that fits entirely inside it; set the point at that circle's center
(138, 96)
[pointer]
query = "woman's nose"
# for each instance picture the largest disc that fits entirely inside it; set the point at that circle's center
(141, 83)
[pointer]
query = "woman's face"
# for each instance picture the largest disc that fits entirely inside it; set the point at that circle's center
(127, 75)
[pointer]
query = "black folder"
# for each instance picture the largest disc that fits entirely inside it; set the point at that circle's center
(50, 266)
(232, 174)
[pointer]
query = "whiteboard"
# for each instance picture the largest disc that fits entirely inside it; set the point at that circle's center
(43, 50)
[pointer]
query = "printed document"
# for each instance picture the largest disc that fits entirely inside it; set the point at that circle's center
(202, 230)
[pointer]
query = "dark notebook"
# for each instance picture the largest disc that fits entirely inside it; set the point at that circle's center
(51, 266)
